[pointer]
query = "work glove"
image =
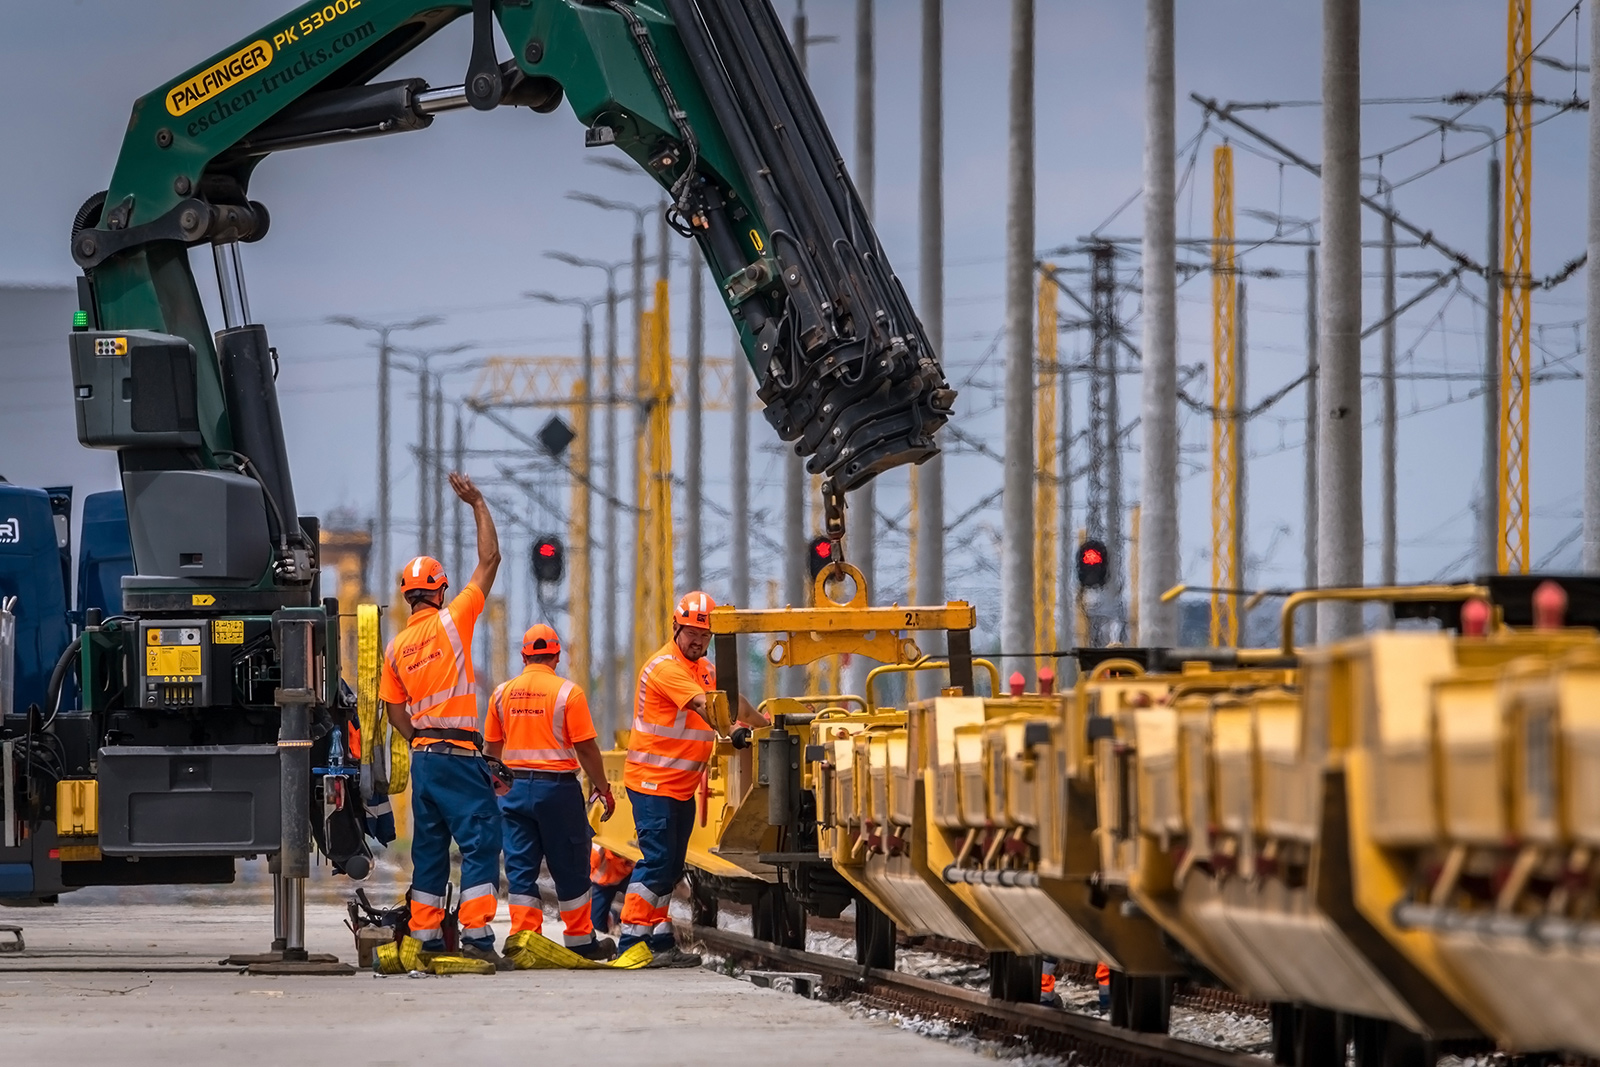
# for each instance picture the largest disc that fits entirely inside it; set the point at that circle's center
(607, 799)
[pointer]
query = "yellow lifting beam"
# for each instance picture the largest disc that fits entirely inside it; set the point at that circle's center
(1225, 573)
(1516, 284)
(833, 627)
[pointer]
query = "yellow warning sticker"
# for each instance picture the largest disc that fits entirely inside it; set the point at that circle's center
(227, 632)
(202, 600)
(172, 661)
(755, 239)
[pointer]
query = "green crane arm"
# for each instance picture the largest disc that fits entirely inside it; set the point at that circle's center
(705, 95)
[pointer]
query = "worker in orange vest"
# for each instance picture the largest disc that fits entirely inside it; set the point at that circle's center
(608, 876)
(539, 725)
(431, 695)
(669, 747)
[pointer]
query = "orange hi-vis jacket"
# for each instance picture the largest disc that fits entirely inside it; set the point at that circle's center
(427, 668)
(608, 868)
(669, 744)
(541, 717)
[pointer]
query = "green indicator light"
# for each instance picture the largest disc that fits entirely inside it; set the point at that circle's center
(80, 320)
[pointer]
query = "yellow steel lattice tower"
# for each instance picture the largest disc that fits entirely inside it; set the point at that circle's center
(578, 543)
(1046, 543)
(1224, 420)
(1516, 283)
(653, 554)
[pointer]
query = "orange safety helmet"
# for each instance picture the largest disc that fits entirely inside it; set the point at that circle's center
(424, 573)
(694, 610)
(541, 640)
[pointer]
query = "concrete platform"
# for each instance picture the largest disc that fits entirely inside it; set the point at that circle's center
(118, 977)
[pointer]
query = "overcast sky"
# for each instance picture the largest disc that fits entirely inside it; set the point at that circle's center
(455, 221)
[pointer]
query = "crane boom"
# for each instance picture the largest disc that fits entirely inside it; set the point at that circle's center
(223, 662)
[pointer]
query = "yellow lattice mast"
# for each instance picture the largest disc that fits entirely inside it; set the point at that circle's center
(1516, 283)
(1046, 543)
(1224, 421)
(653, 554)
(578, 590)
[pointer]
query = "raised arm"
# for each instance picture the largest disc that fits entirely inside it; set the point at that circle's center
(488, 539)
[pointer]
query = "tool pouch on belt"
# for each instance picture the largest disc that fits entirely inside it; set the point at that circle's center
(499, 776)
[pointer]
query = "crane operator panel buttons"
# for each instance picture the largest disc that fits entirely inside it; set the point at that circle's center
(176, 665)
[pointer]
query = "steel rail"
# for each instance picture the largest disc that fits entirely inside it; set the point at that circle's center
(1045, 1029)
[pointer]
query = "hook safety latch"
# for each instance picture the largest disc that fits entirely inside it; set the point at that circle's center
(833, 524)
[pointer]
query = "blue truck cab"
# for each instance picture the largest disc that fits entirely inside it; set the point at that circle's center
(36, 570)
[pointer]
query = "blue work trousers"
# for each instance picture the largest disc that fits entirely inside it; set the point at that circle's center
(604, 896)
(451, 798)
(545, 820)
(663, 825)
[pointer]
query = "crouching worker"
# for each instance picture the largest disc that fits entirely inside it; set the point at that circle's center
(432, 700)
(539, 725)
(608, 876)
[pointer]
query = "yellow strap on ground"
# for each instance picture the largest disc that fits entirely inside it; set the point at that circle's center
(530, 951)
(401, 957)
(447, 965)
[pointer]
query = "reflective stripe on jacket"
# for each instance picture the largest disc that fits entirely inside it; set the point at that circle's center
(540, 717)
(669, 744)
(427, 668)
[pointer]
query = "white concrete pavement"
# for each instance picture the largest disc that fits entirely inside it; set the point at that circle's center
(129, 977)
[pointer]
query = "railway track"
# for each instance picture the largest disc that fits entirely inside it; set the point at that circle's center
(1089, 1042)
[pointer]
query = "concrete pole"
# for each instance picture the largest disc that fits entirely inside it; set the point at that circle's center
(1388, 559)
(580, 585)
(436, 474)
(1591, 378)
(1241, 449)
(930, 291)
(664, 251)
(693, 548)
(460, 463)
(1016, 549)
(1066, 535)
(424, 499)
(796, 575)
(739, 489)
(863, 524)
(1339, 525)
(608, 666)
(383, 587)
(635, 401)
(1489, 485)
(801, 32)
(1313, 376)
(1158, 494)
(863, 548)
